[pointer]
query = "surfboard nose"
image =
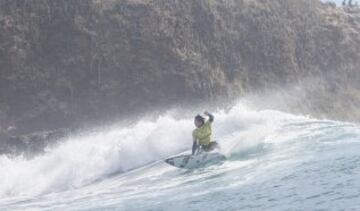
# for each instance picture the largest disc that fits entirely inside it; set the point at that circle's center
(170, 161)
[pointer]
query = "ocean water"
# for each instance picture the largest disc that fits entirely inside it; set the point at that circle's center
(274, 161)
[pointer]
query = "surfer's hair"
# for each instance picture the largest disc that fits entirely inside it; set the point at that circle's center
(200, 118)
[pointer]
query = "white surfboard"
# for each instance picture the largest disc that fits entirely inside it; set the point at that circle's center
(194, 161)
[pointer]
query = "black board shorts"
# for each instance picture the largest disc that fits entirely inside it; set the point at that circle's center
(211, 146)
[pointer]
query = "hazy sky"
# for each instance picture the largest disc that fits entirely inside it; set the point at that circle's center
(340, 1)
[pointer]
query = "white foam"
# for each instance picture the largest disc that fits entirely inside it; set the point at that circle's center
(83, 159)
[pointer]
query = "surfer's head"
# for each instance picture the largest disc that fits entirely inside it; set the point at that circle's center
(199, 120)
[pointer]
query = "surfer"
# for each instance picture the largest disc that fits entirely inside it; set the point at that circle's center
(202, 134)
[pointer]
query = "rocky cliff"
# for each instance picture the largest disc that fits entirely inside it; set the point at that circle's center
(66, 63)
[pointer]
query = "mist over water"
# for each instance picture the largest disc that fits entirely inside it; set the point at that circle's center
(275, 161)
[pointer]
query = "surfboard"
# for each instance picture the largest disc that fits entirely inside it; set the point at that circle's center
(194, 161)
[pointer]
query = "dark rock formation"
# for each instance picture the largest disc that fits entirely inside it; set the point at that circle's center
(66, 63)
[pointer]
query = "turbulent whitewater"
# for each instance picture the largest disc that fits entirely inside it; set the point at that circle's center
(274, 161)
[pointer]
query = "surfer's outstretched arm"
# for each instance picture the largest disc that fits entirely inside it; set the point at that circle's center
(211, 117)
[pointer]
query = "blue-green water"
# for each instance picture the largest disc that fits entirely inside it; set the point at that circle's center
(275, 161)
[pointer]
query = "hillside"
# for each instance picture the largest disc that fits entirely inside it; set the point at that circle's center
(70, 63)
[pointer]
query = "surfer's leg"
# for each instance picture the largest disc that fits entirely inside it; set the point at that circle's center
(206, 148)
(200, 149)
(214, 145)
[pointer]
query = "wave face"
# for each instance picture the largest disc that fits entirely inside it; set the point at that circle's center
(275, 161)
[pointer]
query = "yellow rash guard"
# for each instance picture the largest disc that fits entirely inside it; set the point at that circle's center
(203, 133)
